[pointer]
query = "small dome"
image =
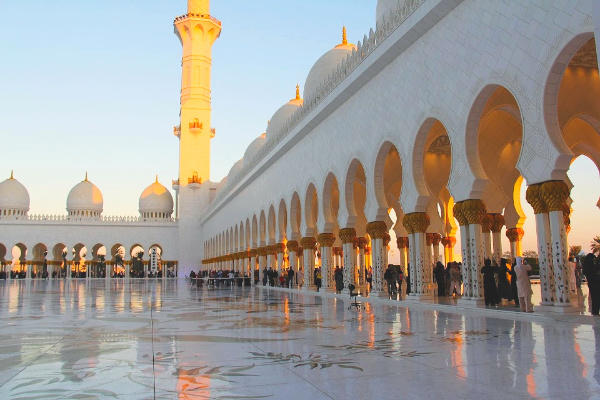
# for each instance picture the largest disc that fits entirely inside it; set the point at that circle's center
(156, 199)
(85, 199)
(326, 65)
(236, 169)
(284, 113)
(385, 7)
(14, 197)
(222, 184)
(254, 147)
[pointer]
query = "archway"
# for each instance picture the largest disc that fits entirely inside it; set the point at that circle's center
(39, 262)
(138, 265)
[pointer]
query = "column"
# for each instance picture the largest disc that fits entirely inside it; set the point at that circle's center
(402, 243)
(300, 264)
(262, 262)
(514, 236)
(429, 258)
(309, 244)
(377, 231)
(362, 281)
(280, 250)
(496, 229)
(292, 247)
(448, 242)
(337, 254)
(474, 210)
(421, 274)
(326, 240)
(435, 242)
(465, 249)
(486, 231)
(271, 259)
(348, 235)
(252, 267)
(554, 194)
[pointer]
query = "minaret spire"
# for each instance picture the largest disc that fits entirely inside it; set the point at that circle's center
(199, 7)
(11, 174)
(344, 36)
(298, 92)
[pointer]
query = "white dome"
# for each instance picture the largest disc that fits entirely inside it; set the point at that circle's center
(156, 199)
(254, 147)
(85, 197)
(222, 184)
(282, 115)
(325, 66)
(13, 196)
(235, 170)
(385, 7)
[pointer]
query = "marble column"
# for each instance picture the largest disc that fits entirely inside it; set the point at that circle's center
(474, 211)
(337, 256)
(496, 229)
(252, 253)
(280, 250)
(262, 262)
(421, 274)
(377, 231)
(292, 247)
(515, 235)
(429, 256)
(554, 194)
(348, 236)
(402, 243)
(435, 242)
(300, 265)
(486, 235)
(309, 246)
(448, 242)
(362, 265)
(326, 240)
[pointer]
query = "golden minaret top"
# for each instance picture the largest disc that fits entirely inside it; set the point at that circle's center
(199, 7)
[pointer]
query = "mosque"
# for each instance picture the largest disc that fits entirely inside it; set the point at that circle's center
(438, 116)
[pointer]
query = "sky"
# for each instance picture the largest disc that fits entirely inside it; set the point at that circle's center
(93, 86)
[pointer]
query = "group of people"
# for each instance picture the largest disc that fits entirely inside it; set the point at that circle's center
(394, 277)
(449, 279)
(287, 277)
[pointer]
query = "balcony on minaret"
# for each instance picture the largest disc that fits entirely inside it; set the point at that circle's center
(195, 181)
(177, 131)
(196, 126)
(213, 132)
(175, 184)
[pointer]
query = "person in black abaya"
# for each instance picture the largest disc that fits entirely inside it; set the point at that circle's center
(591, 270)
(489, 283)
(504, 289)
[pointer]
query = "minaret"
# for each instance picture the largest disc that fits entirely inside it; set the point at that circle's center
(197, 31)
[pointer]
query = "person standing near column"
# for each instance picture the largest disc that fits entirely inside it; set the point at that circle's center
(591, 271)
(523, 285)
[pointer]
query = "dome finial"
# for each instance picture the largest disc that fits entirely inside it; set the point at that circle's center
(297, 92)
(85, 177)
(11, 175)
(156, 178)
(344, 36)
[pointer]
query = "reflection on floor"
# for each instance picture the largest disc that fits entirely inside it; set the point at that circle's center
(147, 340)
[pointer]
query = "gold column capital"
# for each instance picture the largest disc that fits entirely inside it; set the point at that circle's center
(292, 246)
(402, 242)
(473, 210)
(279, 248)
(458, 214)
(515, 234)
(362, 242)
(534, 198)
(416, 222)
(308, 243)
(347, 235)
(449, 241)
(326, 239)
(377, 229)
(386, 239)
(498, 222)
(554, 194)
(487, 222)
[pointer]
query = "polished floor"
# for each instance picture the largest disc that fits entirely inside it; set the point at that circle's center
(147, 340)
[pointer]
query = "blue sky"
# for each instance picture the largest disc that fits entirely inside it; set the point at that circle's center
(94, 86)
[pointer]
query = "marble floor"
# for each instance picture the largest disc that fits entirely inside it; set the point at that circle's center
(147, 340)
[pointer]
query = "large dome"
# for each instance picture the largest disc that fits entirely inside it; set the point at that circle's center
(284, 113)
(235, 170)
(156, 201)
(85, 199)
(254, 147)
(385, 7)
(326, 65)
(14, 197)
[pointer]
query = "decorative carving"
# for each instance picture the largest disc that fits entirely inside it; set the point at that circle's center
(347, 235)
(566, 214)
(449, 241)
(515, 234)
(498, 222)
(554, 194)
(326, 239)
(402, 242)
(279, 248)
(261, 251)
(534, 198)
(487, 222)
(362, 242)
(377, 229)
(473, 210)
(458, 214)
(416, 222)
(387, 238)
(441, 145)
(292, 246)
(194, 178)
(434, 239)
(308, 243)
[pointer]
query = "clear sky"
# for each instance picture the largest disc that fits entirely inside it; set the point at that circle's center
(94, 86)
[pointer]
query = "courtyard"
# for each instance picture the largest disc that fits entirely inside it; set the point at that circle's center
(145, 339)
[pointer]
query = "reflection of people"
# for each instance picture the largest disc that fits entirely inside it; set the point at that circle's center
(523, 284)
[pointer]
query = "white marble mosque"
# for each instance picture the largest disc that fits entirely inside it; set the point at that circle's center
(427, 129)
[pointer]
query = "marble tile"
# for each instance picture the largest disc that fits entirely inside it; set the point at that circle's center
(147, 340)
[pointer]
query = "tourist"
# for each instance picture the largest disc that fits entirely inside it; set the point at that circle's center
(291, 277)
(338, 276)
(387, 275)
(440, 278)
(504, 290)
(522, 270)
(265, 276)
(489, 283)
(318, 278)
(591, 270)
(454, 280)
(513, 284)
(370, 278)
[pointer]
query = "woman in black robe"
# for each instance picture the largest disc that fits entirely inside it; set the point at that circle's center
(489, 283)
(504, 289)
(591, 270)
(440, 277)
(513, 283)
(339, 280)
